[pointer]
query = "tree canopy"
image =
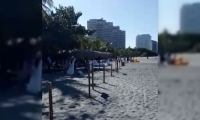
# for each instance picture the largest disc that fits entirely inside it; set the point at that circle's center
(179, 42)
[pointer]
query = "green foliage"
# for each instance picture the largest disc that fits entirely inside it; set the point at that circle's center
(61, 30)
(143, 52)
(178, 42)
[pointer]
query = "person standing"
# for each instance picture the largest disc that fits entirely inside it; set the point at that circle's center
(73, 62)
(162, 57)
(49, 63)
(34, 84)
(71, 59)
(168, 56)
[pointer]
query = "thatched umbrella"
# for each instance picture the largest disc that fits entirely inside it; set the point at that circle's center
(82, 54)
(89, 54)
(59, 55)
(102, 55)
(105, 55)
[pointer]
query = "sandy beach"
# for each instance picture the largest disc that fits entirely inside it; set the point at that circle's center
(132, 96)
(179, 90)
(19, 106)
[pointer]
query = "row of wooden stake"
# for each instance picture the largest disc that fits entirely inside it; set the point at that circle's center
(117, 66)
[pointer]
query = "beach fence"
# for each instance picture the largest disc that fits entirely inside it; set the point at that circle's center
(118, 65)
(91, 73)
(90, 80)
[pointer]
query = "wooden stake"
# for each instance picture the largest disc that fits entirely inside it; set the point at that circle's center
(50, 101)
(120, 63)
(92, 77)
(99, 63)
(117, 65)
(89, 78)
(103, 73)
(111, 69)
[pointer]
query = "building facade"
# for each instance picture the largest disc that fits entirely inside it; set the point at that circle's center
(190, 18)
(154, 46)
(105, 31)
(144, 41)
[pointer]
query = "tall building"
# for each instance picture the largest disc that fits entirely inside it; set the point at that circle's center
(144, 41)
(154, 46)
(190, 18)
(105, 31)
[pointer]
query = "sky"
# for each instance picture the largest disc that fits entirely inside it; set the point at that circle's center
(169, 14)
(133, 16)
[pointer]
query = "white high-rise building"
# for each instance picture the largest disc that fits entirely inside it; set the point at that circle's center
(144, 41)
(105, 31)
(190, 18)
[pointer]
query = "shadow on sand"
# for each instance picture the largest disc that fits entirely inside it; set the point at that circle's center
(19, 106)
(110, 84)
(68, 87)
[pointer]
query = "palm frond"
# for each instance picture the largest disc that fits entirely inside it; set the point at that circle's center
(48, 2)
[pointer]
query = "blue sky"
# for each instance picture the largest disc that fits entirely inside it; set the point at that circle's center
(133, 16)
(169, 14)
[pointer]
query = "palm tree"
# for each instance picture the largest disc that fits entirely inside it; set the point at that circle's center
(85, 42)
(46, 7)
(47, 4)
(96, 44)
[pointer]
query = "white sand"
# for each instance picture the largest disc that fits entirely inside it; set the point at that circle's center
(19, 106)
(179, 87)
(132, 97)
